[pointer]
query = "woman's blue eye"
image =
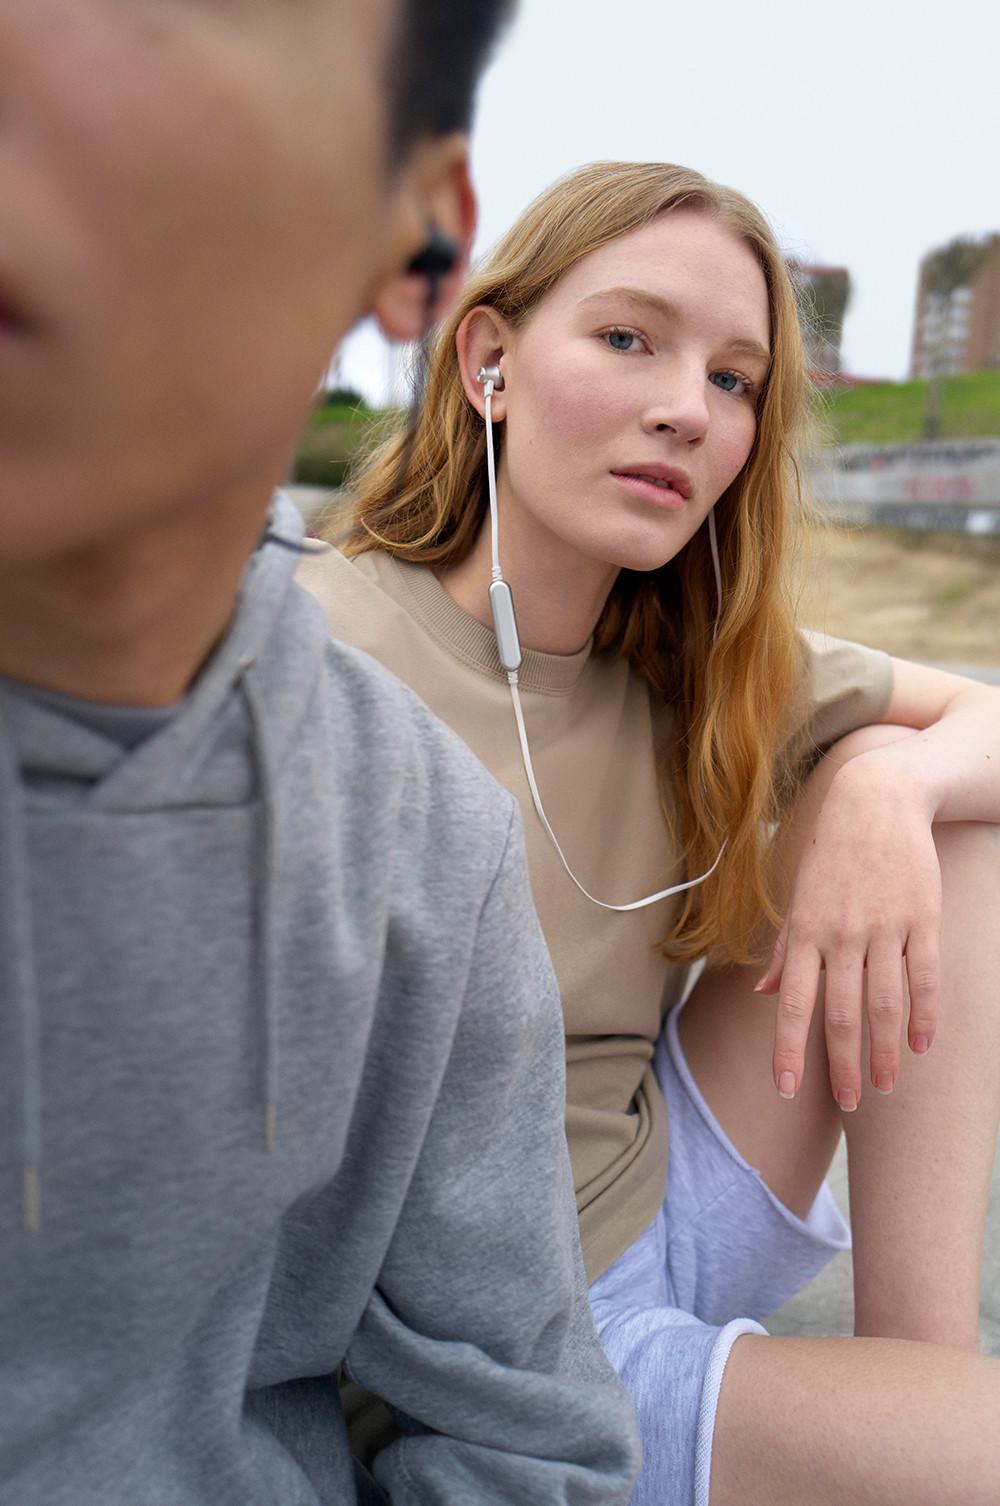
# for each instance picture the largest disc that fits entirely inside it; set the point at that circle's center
(620, 339)
(730, 381)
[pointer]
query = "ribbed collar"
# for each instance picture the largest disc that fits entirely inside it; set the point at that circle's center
(474, 644)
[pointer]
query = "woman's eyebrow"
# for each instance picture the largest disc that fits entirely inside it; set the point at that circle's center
(641, 298)
(751, 348)
(637, 296)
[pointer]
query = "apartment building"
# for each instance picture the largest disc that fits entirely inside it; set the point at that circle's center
(958, 331)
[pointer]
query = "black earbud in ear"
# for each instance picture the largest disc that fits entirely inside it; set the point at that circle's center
(437, 258)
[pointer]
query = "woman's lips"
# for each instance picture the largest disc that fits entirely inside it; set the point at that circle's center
(659, 493)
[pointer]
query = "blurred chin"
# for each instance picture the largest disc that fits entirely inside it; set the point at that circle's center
(58, 505)
(48, 512)
(98, 495)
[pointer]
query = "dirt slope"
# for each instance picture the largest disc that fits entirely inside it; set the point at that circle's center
(927, 596)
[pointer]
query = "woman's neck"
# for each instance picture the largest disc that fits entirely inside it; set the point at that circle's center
(558, 595)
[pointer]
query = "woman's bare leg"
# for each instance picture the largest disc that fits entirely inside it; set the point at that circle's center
(920, 1158)
(727, 1034)
(884, 1419)
(873, 1422)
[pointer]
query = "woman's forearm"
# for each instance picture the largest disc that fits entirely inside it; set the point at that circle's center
(953, 764)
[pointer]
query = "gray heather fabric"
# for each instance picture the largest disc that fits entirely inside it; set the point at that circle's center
(128, 726)
(302, 891)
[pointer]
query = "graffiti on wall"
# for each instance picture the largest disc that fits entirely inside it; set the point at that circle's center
(966, 473)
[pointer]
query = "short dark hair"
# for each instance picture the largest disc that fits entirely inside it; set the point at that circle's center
(442, 48)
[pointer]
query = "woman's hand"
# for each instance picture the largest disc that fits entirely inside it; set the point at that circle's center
(866, 909)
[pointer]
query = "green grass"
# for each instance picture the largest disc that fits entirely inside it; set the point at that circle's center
(893, 412)
(953, 595)
(333, 436)
(341, 413)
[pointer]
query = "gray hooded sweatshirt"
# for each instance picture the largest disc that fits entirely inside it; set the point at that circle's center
(281, 1090)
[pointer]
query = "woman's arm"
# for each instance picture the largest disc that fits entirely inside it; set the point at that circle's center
(956, 757)
(866, 902)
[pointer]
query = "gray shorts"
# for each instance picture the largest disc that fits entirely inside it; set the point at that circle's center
(722, 1253)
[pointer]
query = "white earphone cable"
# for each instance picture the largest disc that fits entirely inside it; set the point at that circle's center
(636, 904)
(491, 471)
(511, 660)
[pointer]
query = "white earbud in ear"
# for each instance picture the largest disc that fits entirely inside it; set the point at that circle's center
(491, 374)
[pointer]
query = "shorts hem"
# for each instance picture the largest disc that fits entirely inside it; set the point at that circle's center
(705, 1435)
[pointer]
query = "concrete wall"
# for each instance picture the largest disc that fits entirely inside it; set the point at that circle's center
(944, 484)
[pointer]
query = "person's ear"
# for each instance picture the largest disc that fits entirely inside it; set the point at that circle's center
(436, 214)
(482, 340)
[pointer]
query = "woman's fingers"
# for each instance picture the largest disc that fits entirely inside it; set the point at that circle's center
(923, 978)
(853, 986)
(884, 1006)
(772, 978)
(796, 1002)
(850, 918)
(844, 984)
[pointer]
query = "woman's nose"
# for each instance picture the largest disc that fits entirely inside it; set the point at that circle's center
(679, 406)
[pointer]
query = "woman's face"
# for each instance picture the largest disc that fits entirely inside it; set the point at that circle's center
(631, 395)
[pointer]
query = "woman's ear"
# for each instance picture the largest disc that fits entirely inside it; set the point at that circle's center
(436, 195)
(482, 339)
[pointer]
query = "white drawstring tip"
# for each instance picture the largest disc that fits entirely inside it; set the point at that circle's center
(31, 1199)
(270, 1127)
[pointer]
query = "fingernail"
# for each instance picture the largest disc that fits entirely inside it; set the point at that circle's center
(848, 1100)
(885, 1082)
(758, 986)
(921, 1044)
(786, 1084)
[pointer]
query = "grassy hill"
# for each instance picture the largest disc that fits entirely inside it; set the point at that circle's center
(893, 412)
(334, 434)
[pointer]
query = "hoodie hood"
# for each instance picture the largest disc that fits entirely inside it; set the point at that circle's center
(224, 746)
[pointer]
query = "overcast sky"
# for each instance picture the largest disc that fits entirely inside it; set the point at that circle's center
(867, 130)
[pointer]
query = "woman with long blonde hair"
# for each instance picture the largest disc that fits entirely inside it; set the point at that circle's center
(581, 558)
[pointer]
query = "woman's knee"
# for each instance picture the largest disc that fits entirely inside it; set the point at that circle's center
(862, 740)
(969, 855)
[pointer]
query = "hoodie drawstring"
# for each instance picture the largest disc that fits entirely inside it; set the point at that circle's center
(17, 957)
(264, 928)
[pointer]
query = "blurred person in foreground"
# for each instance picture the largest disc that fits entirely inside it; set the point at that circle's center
(710, 772)
(279, 1037)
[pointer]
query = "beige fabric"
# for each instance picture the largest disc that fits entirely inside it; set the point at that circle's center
(593, 735)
